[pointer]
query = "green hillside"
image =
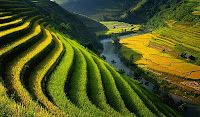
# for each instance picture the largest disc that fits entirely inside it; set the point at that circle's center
(72, 24)
(44, 71)
(101, 10)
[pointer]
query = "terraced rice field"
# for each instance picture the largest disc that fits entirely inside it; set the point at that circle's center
(117, 27)
(154, 59)
(43, 73)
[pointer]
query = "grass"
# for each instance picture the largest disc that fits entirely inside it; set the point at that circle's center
(150, 104)
(41, 70)
(151, 99)
(131, 99)
(58, 79)
(95, 87)
(112, 94)
(78, 84)
(8, 106)
(36, 30)
(196, 13)
(15, 67)
(5, 17)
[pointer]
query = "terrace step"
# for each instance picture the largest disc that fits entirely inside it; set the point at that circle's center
(41, 71)
(113, 96)
(10, 35)
(78, 83)
(15, 68)
(58, 79)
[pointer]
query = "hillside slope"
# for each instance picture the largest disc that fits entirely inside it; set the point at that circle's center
(43, 72)
(68, 22)
(145, 10)
(100, 9)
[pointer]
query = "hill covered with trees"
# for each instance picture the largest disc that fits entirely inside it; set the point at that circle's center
(100, 9)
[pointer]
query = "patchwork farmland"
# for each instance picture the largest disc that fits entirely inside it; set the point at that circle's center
(171, 52)
(45, 73)
(156, 59)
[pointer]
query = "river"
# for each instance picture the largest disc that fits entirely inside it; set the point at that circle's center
(193, 109)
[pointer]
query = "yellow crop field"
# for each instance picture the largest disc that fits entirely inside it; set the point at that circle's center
(35, 31)
(152, 58)
(164, 61)
(15, 67)
(195, 75)
(40, 71)
(9, 23)
(9, 31)
(5, 17)
(165, 69)
(184, 67)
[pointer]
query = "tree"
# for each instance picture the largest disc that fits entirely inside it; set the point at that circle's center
(113, 61)
(131, 58)
(116, 40)
(121, 71)
(103, 57)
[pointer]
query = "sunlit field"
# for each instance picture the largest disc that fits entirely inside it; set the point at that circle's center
(117, 27)
(160, 61)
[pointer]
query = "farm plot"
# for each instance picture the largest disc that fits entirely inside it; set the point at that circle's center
(152, 58)
(117, 27)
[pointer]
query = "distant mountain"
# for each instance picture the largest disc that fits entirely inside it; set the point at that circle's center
(100, 9)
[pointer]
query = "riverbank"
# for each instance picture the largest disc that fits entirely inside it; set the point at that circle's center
(109, 53)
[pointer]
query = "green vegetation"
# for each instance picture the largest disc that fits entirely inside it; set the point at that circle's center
(111, 91)
(56, 86)
(117, 27)
(152, 101)
(44, 72)
(103, 10)
(181, 12)
(39, 72)
(138, 5)
(131, 99)
(95, 87)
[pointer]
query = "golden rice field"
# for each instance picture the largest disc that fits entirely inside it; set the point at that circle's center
(154, 59)
(117, 27)
(13, 22)
(5, 17)
(6, 32)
